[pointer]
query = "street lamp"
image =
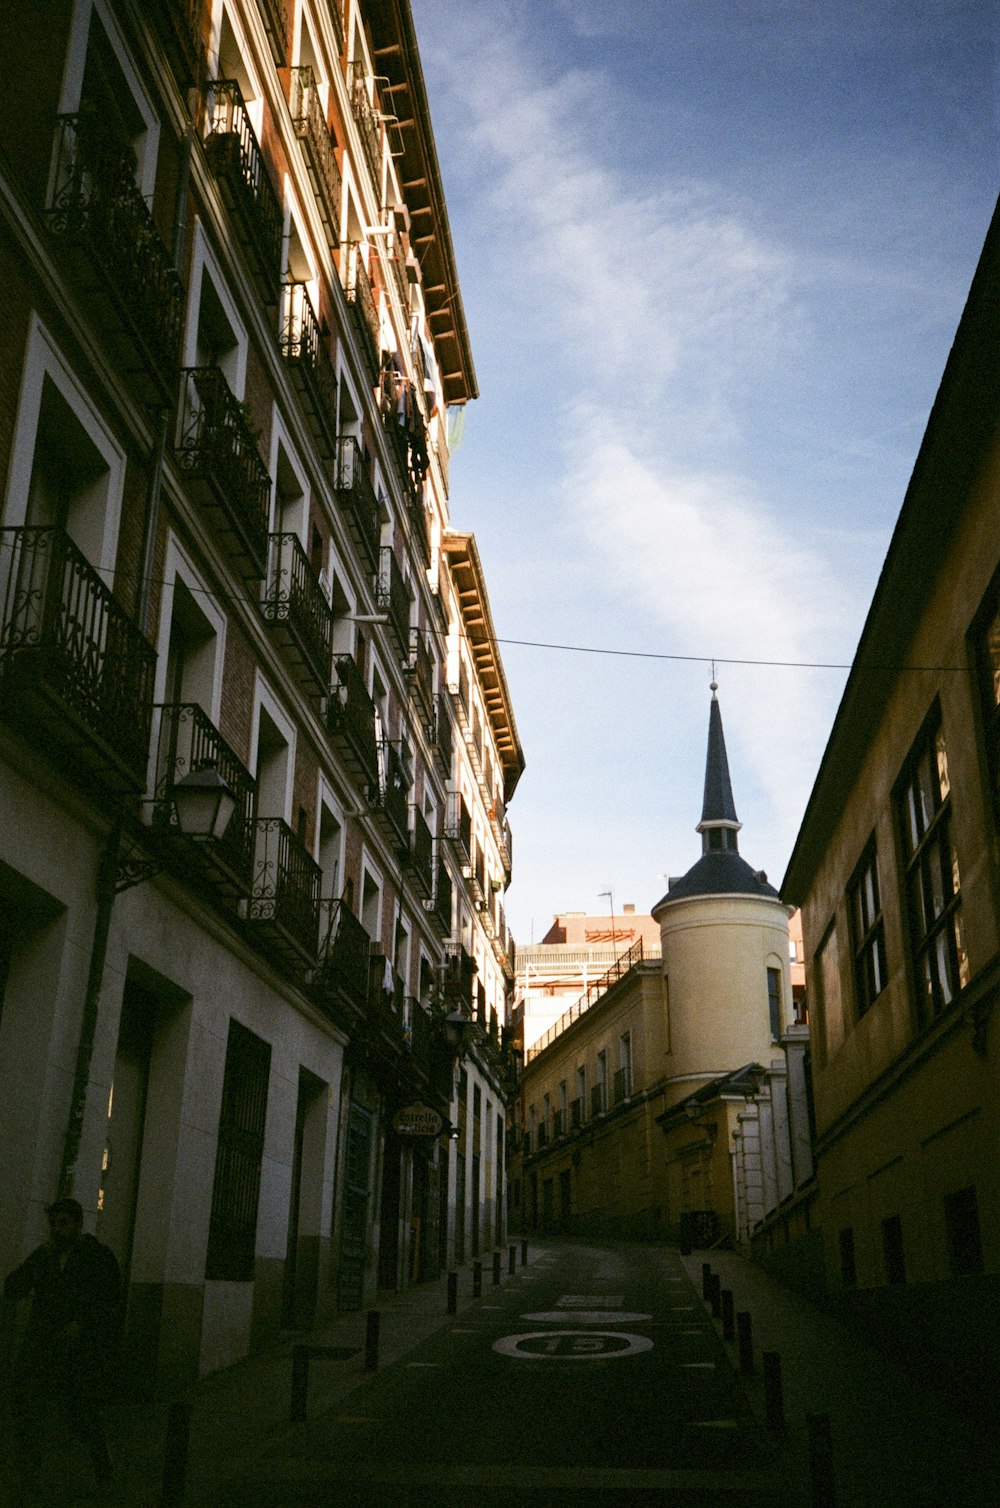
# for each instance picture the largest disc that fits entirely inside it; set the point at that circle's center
(455, 1025)
(204, 803)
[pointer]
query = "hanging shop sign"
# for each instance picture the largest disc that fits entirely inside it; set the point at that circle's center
(417, 1120)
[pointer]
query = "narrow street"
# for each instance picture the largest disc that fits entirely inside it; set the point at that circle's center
(595, 1376)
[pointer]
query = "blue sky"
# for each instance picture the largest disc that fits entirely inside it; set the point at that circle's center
(712, 254)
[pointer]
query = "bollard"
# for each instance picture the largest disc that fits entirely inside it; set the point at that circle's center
(512, 1261)
(728, 1315)
(715, 1295)
(453, 1293)
(477, 1280)
(706, 1279)
(821, 1461)
(744, 1332)
(774, 1399)
(300, 1384)
(175, 1455)
(496, 1268)
(524, 1252)
(371, 1340)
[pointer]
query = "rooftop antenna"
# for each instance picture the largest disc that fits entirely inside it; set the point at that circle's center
(611, 899)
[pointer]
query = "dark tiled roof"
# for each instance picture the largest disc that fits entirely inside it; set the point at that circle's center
(718, 804)
(719, 874)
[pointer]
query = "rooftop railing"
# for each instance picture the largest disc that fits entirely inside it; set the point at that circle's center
(589, 998)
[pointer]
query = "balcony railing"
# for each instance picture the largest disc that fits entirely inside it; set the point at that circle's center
(357, 498)
(392, 793)
(306, 353)
(97, 210)
(420, 523)
(284, 907)
(366, 115)
(393, 596)
(621, 966)
(421, 857)
(444, 734)
(311, 128)
(296, 605)
(441, 912)
(237, 161)
(344, 955)
(189, 741)
(458, 823)
(420, 672)
(275, 13)
(218, 450)
(418, 1036)
(76, 675)
(351, 718)
(361, 298)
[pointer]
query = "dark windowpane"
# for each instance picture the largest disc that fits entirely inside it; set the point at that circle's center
(848, 1266)
(232, 1233)
(961, 1219)
(892, 1250)
(868, 936)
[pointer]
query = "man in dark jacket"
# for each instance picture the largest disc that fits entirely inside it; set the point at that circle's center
(71, 1342)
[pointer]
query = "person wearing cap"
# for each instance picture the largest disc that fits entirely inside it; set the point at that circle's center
(69, 1353)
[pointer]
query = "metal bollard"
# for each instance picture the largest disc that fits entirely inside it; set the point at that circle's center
(453, 1293)
(821, 1461)
(524, 1252)
(728, 1315)
(477, 1280)
(371, 1340)
(706, 1279)
(300, 1384)
(744, 1332)
(715, 1296)
(175, 1455)
(774, 1398)
(512, 1261)
(496, 1268)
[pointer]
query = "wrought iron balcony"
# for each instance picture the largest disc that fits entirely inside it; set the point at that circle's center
(296, 606)
(306, 354)
(444, 734)
(421, 856)
(189, 741)
(275, 13)
(420, 672)
(420, 523)
(393, 596)
(178, 26)
(441, 912)
(360, 297)
(76, 675)
(309, 120)
(390, 800)
(284, 907)
(357, 497)
(217, 451)
(236, 159)
(385, 1034)
(418, 1037)
(458, 823)
(351, 719)
(344, 956)
(366, 115)
(114, 252)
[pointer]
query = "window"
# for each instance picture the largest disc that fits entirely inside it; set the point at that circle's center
(961, 1222)
(848, 1264)
(932, 875)
(988, 647)
(600, 1089)
(232, 1231)
(867, 934)
(623, 1078)
(892, 1250)
(774, 1002)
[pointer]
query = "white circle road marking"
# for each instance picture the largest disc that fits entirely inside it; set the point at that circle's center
(572, 1345)
(585, 1317)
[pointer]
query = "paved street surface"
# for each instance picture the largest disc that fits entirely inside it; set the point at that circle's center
(594, 1376)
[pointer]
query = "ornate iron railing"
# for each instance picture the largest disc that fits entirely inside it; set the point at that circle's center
(236, 158)
(418, 1035)
(441, 912)
(393, 790)
(275, 13)
(285, 892)
(365, 113)
(66, 639)
(218, 447)
(420, 671)
(458, 823)
(352, 716)
(421, 860)
(309, 120)
(420, 521)
(444, 733)
(357, 497)
(344, 953)
(590, 997)
(189, 741)
(96, 203)
(305, 352)
(393, 596)
(360, 296)
(295, 599)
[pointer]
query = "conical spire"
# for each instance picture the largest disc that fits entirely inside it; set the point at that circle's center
(719, 823)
